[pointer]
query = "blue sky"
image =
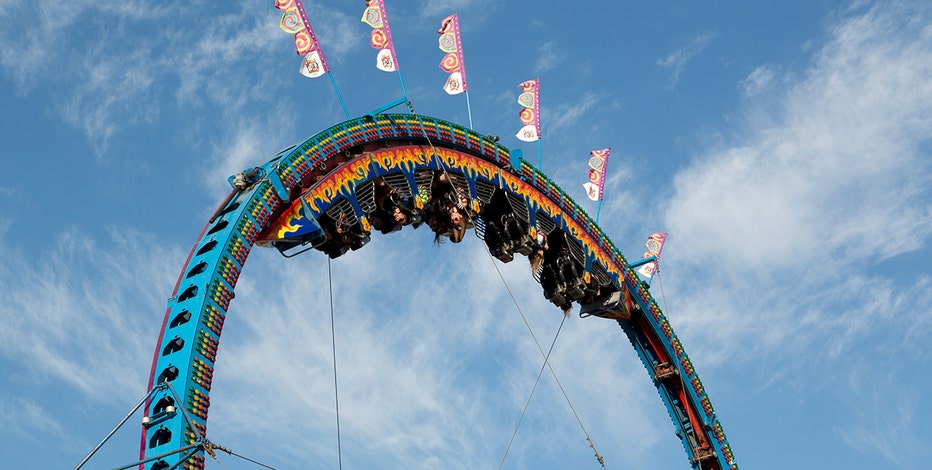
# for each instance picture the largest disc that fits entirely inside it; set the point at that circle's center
(786, 148)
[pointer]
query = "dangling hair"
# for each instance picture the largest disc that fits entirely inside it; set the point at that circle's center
(459, 231)
(536, 258)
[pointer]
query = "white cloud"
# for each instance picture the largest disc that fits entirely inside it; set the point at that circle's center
(444, 8)
(247, 137)
(566, 116)
(209, 63)
(758, 80)
(839, 174)
(109, 98)
(781, 234)
(549, 57)
(114, 83)
(884, 416)
(337, 31)
(678, 59)
(22, 417)
(55, 309)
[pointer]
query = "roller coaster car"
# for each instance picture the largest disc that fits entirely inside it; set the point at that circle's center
(294, 246)
(561, 276)
(340, 236)
(610, 306)
(392, 211)
(562, 280)
(505, 232)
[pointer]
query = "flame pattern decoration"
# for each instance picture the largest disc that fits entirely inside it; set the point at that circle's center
(344, 180)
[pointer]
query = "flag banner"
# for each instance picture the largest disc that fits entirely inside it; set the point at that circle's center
(654, 246)
(528, 133)
(530, 116)
(598, 160)
(455, 84)
(294, 21)
(311, 66)
(452, 63)
(381, 37)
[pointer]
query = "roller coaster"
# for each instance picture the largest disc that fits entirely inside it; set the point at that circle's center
(382, 173)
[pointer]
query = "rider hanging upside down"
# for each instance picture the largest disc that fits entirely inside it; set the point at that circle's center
(392, 209)
(447, 213)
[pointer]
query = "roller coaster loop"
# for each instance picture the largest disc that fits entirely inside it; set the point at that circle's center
(382, 172)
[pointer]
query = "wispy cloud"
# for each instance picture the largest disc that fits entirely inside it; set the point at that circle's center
(25, 418)
(244, 138)
(116, 83)
(443, 8)
(678, 59)
(549, 57)
(787, 224)
(884, 417)
(758, 80)
(337, 30)
(842, 167)
(53, 316)
(566, 115)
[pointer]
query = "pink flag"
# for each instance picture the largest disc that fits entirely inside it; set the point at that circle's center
(381, 37)
(453, 62)
(598, 160)
(530, 115)
(654, 246)
(294, 21)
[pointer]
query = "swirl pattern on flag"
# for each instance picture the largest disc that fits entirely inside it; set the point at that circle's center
(378, 39)
(529, 99)
(447, 41)
(598, 161)
(291, 22)
(381, 37)
(654, 246)
(452, 63)
(294, 21)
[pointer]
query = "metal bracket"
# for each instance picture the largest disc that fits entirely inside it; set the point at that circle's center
(278, 186)
(398, 102)
(642, 262)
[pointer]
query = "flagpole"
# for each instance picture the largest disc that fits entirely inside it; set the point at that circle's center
(340, 96)
(307, 49)
(402, 80)
(468, 110)
(540, 156)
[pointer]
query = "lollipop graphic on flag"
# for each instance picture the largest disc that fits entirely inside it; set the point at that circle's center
(529, 99)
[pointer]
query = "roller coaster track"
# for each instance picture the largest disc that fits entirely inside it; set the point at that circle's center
(287, 202)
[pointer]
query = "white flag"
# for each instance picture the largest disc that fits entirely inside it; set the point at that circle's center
(384, 61)
(454, 85)
(311, 66)
(593, 191)
(528, 133)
